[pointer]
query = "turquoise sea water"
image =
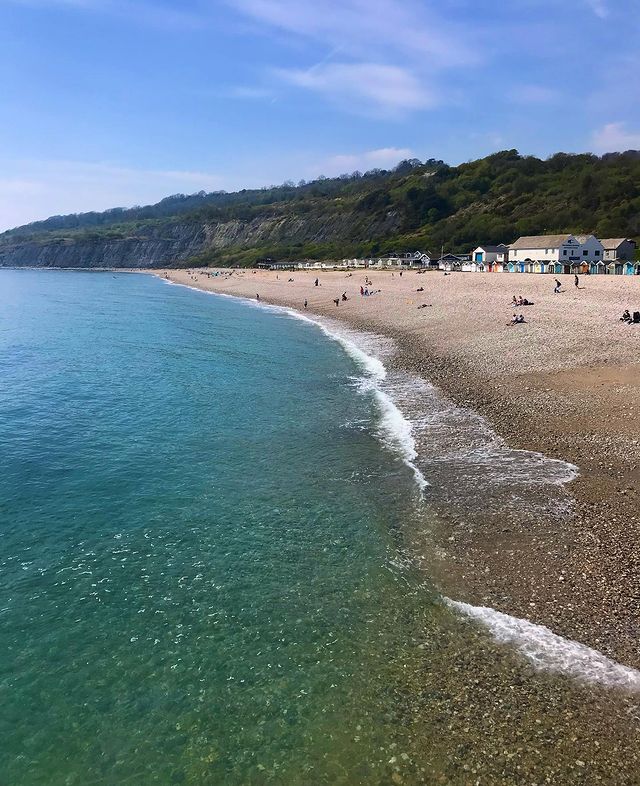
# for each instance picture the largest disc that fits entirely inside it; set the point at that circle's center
(200, 574)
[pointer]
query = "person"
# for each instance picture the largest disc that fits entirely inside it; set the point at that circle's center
(344, 297)
(361, 290)
(336, 300)
(514, 301)
(556, 289)
(401, 274)
(305, 303)
(420, 289)
(257, 297)
(577, 280)
(626, 316)
(520, 319)
(316, 283)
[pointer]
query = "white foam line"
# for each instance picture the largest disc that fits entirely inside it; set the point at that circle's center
(394, 429)
(549, 652)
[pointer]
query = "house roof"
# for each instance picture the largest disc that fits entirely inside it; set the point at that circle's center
(583, 238)
(540, 241)
(614, 242)
(493, 249)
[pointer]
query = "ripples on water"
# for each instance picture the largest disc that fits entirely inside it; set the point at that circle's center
(203, 573)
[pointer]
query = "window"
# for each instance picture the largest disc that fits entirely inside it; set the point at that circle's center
(564, 253)
(597, 253)
(585, 252)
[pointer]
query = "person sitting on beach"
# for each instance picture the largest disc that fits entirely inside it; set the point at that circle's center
(366, 291)
(344, 296)
(626, 316)
(420, 289)
(514, 301)
(520, 320)
(290, 279)
(425, 305)
(362, 290)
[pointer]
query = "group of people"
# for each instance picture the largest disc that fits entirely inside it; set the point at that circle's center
(516, 319)
(521, 301)
(629, 319)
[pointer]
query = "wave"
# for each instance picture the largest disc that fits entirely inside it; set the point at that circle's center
(549, 652)
(460, 446)
(394, 430)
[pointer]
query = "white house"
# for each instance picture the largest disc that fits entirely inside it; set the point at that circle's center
(487, 255)
(406, 259)
(544, 248)
(591, 249)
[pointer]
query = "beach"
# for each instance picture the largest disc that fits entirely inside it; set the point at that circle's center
(565, 384)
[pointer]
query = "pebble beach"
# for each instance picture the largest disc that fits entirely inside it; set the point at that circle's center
(566, 384)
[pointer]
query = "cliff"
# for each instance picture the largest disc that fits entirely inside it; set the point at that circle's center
(423, 205)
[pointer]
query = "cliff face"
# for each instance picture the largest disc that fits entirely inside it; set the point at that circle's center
(177, 243)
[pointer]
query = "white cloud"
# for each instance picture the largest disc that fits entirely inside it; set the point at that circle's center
(599, 8)
(391, 52)
(383, 87)
(615, 137)
(382, 158)
(34, 190)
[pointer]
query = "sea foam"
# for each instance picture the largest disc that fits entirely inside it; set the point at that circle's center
(461, 436)
(549, 652)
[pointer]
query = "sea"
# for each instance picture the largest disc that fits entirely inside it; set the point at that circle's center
(205, 574)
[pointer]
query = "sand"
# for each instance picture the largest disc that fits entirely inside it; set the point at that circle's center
(566, 383)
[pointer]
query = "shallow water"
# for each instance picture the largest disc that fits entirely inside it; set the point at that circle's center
(203, 575)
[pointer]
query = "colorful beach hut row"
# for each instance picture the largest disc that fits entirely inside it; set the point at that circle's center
(557, 268)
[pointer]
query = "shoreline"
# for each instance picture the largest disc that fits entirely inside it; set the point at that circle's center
(579, 580)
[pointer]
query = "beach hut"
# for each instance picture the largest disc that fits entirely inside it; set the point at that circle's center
(597, 268)
(511, 267)
(628, 268)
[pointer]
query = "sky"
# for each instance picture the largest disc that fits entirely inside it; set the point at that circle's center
(108, 103)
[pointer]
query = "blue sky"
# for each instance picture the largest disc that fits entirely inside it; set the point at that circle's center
(107, 102)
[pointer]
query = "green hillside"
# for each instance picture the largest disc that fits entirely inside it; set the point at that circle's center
(418, 205)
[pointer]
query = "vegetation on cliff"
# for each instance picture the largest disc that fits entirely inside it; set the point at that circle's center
(425, 205)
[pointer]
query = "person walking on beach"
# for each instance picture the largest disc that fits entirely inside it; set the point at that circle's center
(577, 281)
(336, 300)
(556, 289)
(258, 297)
(315, 283)
(305, 303)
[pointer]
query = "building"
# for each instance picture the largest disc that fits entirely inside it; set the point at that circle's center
(555, 254)
(452, 262)
(591, 250)
(619, 249)
(486, 257)
(406, 259)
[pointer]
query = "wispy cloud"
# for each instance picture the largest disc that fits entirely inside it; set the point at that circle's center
(364, 85)
(615, 137)
(31, 190)
(391, 53)
(599, 8)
